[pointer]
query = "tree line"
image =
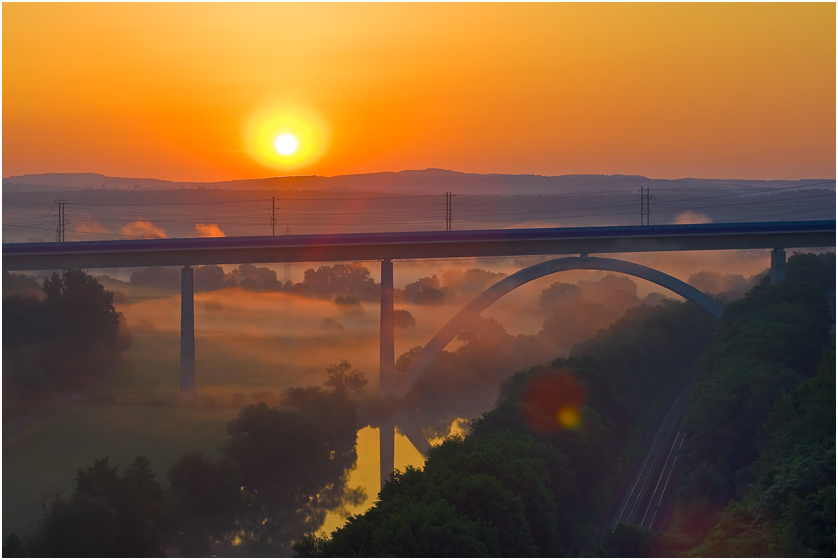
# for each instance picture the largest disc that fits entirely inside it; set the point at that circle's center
(57, 337)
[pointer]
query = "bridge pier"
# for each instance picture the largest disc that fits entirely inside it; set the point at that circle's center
(778, 266)
(386, 375)
(386, 450)
(187, 335)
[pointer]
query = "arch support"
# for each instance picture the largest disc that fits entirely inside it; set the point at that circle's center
(493, 293)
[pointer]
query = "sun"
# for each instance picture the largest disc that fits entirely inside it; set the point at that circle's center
(286, 137)
(285, 144)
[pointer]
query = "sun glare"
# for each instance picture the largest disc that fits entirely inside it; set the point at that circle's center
(286, 137)
(285, 144)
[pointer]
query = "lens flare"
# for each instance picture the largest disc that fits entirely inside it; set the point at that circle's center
(286, 137)
(568, 417)
(553, 401)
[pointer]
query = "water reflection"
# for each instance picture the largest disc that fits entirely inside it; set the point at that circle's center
(368, 473)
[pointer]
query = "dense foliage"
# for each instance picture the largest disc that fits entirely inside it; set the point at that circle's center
(761, 423)
(58, 342)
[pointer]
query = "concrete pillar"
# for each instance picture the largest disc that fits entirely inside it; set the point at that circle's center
(778, 266)
(386, 449)
(386, 377)
(187, 336)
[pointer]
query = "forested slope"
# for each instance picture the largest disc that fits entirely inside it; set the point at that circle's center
(759, 476)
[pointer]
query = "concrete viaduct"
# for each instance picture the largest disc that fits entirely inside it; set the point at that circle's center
(386, 247)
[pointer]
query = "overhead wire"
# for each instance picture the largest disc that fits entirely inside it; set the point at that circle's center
(472, 210)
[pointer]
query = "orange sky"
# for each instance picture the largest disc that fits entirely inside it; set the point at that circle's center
(184, 91)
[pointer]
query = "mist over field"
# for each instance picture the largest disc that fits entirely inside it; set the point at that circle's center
(256, 341)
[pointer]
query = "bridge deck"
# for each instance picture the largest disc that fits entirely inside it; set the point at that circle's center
(417, 245)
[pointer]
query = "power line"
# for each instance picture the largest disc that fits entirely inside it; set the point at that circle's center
(484, 210)
(84, 204)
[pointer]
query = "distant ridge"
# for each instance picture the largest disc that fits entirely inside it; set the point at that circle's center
(425, 181)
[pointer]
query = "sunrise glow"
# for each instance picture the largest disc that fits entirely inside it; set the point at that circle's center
(200, 92)
(286, 137)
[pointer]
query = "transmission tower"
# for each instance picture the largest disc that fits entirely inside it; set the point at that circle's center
(645, 200)
(61, 227)
(287, 265)
(448, 211)
(273, 215)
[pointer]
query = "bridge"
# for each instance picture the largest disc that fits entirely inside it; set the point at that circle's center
(386, 247)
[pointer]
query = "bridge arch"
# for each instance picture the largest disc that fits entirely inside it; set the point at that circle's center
(495, 292)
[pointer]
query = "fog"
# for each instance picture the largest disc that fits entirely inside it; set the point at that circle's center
(285, 331)
(258, 336)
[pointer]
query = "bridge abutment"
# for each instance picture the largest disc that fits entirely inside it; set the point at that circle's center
(386, 376)
(187, 335)
(778, 266)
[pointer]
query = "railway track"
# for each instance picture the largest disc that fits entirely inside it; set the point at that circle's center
(642, 498)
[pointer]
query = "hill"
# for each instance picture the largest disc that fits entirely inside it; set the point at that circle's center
(425, 181)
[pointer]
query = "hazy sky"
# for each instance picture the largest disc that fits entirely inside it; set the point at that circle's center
(200, 91)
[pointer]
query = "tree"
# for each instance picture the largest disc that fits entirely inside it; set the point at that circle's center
(200, 486)
(206, 496)
(60, 342)
(425, 291)
(209, 277)
(14, 547)
(136, 498)
(403, 319)
(82, 527)
(21, 285)
(293, 464)
(627, 541)
(342, 380)
(342, 279)
(108, 515)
